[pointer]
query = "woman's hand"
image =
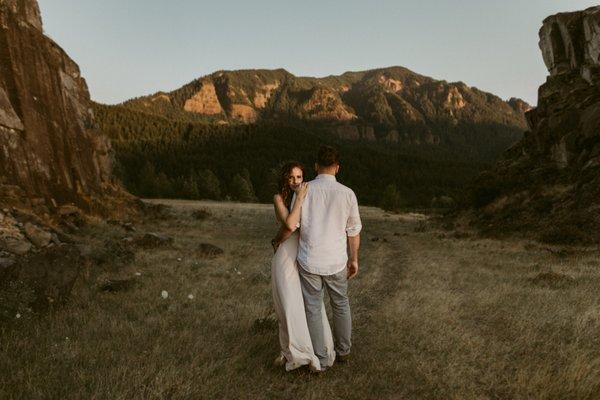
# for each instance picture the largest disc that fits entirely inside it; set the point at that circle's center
(275, 245)
(302, 190)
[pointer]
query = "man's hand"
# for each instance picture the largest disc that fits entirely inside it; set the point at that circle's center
(352, 265)
(352, 268)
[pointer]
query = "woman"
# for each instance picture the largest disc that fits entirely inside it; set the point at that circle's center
(294, 337)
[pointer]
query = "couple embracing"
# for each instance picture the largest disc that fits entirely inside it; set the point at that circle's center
(316, 248)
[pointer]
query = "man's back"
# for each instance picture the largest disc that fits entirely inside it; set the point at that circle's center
(329, 214)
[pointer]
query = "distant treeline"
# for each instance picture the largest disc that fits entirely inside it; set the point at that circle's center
(158, 157)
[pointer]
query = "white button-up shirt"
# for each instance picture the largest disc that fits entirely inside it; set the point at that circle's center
(329, 214)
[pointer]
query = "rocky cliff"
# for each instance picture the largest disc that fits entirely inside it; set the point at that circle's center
(393, 105)
(55, 166)
(549, 182)
(51, 154)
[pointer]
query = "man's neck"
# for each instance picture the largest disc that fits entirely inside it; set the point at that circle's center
(326, 177)
(326, 171)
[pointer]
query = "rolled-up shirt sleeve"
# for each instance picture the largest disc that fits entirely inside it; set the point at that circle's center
(354, 224)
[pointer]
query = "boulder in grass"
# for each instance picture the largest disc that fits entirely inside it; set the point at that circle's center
(71, 217)
(7, 260)
(15, 246)
(68, 210)
(114, 253)
(51, 273)
(209, 250)
(12, 239)
(553, 280)
(128, 226)
(201, 214)
(36, 235)
(152, 240)
(55, 238)
(117, 285)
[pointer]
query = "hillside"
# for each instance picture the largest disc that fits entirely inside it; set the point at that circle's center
(393, 105)
(159, 157)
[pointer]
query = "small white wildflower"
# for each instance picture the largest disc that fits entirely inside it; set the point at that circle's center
(164, 294)
(67, 338)
(239, 272)
(191, 296)
(178, 258)
(138, 274)
(18, 315)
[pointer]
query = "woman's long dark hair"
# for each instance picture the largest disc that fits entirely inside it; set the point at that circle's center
(283, 186)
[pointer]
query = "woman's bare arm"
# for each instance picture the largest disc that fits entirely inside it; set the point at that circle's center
(292, 222)
(291, 219)
(281, 211)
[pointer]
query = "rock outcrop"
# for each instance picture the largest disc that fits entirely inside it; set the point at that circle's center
(549, 182)
(50, 150)
(571, 42)
(204, 101)
(326, 104)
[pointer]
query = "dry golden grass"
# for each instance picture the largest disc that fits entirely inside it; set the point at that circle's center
(435, 317)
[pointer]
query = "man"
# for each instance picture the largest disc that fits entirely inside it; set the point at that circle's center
(328, 252)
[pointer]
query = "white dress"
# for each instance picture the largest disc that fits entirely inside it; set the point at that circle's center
(294, 337)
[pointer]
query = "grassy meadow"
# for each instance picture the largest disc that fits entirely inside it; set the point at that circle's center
(437, 315)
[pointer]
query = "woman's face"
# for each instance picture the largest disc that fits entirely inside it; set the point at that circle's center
(295, 178)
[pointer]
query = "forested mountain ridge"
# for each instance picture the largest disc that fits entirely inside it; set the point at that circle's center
(409, 138)
(393, 105)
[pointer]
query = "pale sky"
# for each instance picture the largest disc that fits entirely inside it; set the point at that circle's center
(130, 48)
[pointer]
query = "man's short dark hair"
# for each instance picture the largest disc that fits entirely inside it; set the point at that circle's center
(328, 156)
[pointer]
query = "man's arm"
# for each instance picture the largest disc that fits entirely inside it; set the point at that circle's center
(353, 228)
(353, 245)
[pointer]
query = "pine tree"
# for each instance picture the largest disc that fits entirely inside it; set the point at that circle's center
(164, 186)
(209, 186)
(242, 190)
(391, 199)
(147, 181)
(190, 188)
